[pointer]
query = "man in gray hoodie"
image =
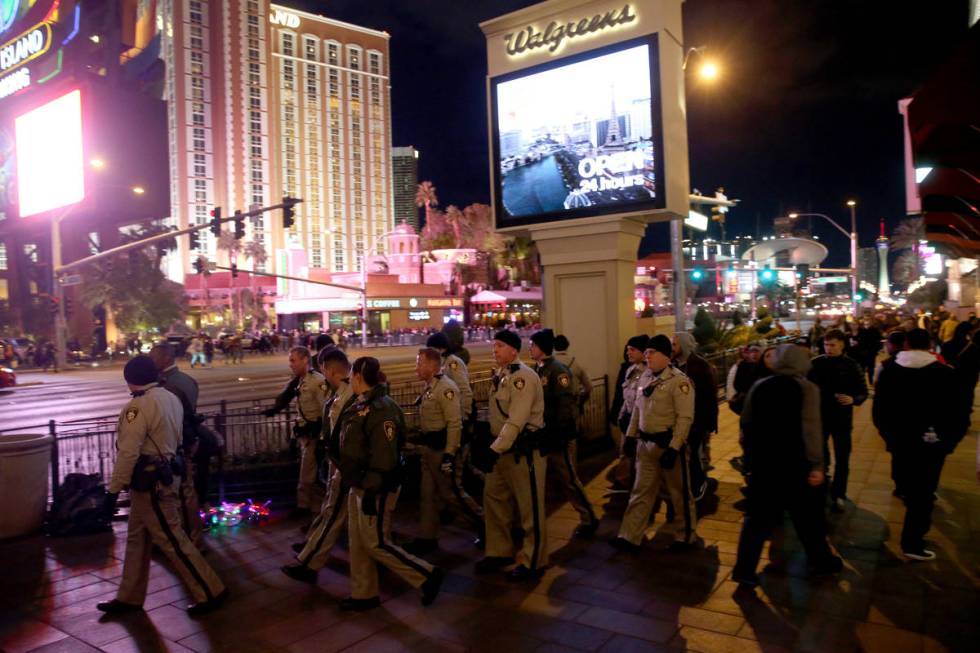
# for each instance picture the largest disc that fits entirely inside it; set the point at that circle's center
(783, 444)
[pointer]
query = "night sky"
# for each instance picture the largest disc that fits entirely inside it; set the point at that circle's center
(804, 116)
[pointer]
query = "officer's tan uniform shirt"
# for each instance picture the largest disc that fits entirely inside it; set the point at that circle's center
(454, 367)
(157, 412)
(517, 401)
(310, 395)
(670, 405)
(631, 385)
(440, 409)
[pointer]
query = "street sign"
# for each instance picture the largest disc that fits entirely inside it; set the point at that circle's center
(71, 280)
(828, 280)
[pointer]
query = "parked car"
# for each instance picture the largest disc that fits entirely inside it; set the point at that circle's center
(8, 378)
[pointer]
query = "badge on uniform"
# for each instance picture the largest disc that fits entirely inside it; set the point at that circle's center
(323, 386)
(453, 365)
(519, 383)
(685, 387)
(449, 394)
(544, 382)
(362, 413)
(389, 430)
(131, 415)
(564, 381)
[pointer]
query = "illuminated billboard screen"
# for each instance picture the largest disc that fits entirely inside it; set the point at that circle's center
(579, 136)
(48, 151)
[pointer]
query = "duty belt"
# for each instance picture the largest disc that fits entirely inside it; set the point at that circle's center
(434, 439)
(661, 439)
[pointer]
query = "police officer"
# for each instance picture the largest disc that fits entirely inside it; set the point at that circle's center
(658, 428)
(560, 429)
(454, 367)
(581, 383)
(370, 464)
(309, 389)
(441, 425)
(325, 530)
(635, 348)
(184, 387)
(518, 475)
(149, 436)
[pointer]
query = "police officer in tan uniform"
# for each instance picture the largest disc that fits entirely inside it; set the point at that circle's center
(370, 463)
(561, 427)
(454, 367)
(325, 530)
(310, 391)
(518, 475)
(661, 419)
(441, 425)
(149, 436)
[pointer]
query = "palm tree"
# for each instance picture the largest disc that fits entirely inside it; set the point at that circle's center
(426, 196)
(230, 244)
(909, 233)
(455, 219)
(255, 250)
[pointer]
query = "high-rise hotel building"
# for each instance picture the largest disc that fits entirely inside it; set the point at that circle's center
(267, 101)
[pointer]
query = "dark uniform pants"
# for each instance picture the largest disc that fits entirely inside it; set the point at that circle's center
(328, 525)
(154, 518)
(650, 476)
(370, 543)
(439, 490)
(768, 500)
(696, 439)
(563, 462)
(517, 482)
(840, 432)
(919, 468)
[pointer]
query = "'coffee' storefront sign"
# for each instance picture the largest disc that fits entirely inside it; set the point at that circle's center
(25, 47)
(555, 33)
(430, 302)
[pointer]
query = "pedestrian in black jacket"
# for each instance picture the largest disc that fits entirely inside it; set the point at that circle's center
(963, 353)
(783, 457)
(702, 376)
(868, 345)
(842, 387)
(915, 412)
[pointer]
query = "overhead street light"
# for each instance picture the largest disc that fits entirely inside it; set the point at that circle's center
(853, 238)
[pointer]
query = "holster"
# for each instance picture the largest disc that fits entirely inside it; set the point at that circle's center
(661, 439)
(307, 429)
(530, 441)
(150, 470)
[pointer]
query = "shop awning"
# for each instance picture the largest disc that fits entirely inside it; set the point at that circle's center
(506, 296)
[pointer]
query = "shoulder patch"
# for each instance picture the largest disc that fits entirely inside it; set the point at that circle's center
(449, 394)
(389, 430)
(519, 383)
(685, 387)
(563, 380)
(362, 413)
(131, 414)
(323, 386)
(544, 381)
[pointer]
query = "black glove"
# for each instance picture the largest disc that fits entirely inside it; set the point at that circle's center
(624, 423)
(448, 465)
(629, 447)
(269, 412)
(369, 505)
(109, 504)
(668, 458)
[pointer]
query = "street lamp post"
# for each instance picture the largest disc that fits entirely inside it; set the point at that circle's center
(852, 236)
(364, 297)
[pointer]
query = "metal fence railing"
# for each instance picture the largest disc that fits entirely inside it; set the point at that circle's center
(253, 440)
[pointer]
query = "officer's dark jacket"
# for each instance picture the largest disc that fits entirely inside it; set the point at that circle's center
(559, 398)
(837, 375)
(374, 430)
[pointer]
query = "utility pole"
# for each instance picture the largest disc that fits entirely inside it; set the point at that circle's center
(854, 260)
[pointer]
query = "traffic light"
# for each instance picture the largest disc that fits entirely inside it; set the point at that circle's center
(68, 307)
(288, 211)
(202, 266)
(195, 240)
(717, 214)
(234, 270)
(803, 271)
(216, 221)
(239, 225)
(767, 274)
(697, 274)
(53, 306)
(858, 297)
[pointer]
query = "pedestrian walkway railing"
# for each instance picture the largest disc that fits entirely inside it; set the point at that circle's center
(252, 440)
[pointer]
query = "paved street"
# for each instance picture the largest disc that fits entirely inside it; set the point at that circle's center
(591, 599)
(95, 392)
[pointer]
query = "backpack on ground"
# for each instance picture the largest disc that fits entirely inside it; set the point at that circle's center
(77, 507)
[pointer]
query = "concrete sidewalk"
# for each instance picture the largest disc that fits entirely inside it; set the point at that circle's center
(591, 599)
